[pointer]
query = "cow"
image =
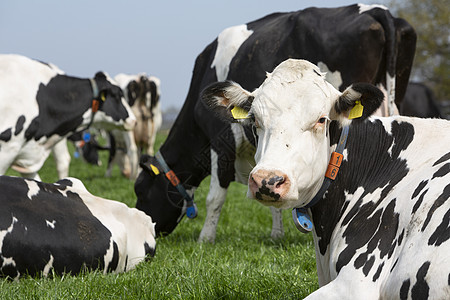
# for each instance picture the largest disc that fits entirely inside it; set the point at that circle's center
(375, 189)
(353, 43)
(41, 106)
(56, 228)
(419, 101)
(142, 93)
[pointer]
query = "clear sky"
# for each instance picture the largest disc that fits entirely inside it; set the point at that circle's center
(161, 38)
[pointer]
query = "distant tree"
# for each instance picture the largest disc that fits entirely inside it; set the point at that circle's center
(430, 19)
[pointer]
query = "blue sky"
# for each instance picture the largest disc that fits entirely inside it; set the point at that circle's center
(161, 38)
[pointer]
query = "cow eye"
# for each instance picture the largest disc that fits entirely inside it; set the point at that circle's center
(322, 120)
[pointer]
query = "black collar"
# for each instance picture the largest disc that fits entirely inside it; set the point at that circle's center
(300, 214)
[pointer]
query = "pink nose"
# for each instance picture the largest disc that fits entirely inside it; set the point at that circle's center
(268, 185)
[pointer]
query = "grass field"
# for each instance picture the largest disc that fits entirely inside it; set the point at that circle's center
(244, 263)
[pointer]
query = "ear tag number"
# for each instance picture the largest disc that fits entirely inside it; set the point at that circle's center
(356, 111)
(154, 169)
(239, 113)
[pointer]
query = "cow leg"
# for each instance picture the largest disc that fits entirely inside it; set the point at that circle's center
(62, 158)
(214, 202)
(277, 223)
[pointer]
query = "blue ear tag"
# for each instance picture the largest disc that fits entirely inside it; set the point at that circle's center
(191, 210)
(302, 220)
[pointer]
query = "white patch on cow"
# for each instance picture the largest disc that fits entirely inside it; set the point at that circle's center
(7, 261)
(334, 78)
(366, 7)
(245, 152)
(390, 82)
(33, 188)
(51, 224)
(48, 266)
(228, 43)
(214, 202)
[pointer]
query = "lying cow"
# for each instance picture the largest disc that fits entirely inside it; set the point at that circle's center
(353, 43)
(382, 228)
(41, 106)
(62, 228)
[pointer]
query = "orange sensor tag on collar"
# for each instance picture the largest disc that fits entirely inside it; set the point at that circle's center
(333, 165)
(95, 105)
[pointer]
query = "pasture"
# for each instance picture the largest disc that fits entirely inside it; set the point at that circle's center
(244, 262)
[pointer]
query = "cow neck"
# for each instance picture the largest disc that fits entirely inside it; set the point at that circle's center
(95, 103)
(300, 215)
(191, 207)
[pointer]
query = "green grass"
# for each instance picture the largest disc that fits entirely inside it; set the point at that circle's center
(244, 263)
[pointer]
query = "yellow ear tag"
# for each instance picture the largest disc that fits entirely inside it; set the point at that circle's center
(154, 169)
(239, 113)
(102, 96)
(356, 111)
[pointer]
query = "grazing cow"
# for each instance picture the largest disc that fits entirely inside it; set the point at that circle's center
(419, 101)
(352, 43)
(40, 106)
(62, 228)
(380, 205)
(142, 93)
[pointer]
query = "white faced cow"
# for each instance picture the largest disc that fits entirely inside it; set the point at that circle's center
(356, 43)
(40, 106)
(382, 228)
(62, 228)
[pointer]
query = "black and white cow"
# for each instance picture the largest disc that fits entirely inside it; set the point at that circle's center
(382, 228)
(352, 43)
(142, 93)
(62, 228)
(40, 106)
(419, 101)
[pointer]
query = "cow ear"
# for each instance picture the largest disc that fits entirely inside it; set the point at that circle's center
(228, 100)
(358, 101)
(150, 165)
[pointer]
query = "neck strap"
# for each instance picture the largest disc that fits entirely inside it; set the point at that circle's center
(191, 209)
(300, 214)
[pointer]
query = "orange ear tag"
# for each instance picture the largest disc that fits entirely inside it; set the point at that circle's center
(356, 111)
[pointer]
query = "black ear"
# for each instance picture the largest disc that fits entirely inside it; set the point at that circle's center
(228, 100)
(150, 165)
(359, 101)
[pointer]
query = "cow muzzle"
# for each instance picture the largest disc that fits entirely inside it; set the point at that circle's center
(268, 185)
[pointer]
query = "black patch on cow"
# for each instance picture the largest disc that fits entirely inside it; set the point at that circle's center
(448, 280)
(444, 170)
(439, 201)
(419, 188)
(404, 289)
(395, 264)
(369, 165)
(6, 135)
(442, 232)
(149, 251)
(19, 125)
(420, 290)
(400, 237)
(378, 272)
(78, 238)
(419, 201)
(112, 266)
(62, 103)
(445, 157)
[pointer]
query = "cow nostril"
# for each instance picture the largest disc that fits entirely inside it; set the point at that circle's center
(280, 181)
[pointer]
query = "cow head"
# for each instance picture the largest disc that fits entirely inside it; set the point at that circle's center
(114, 111)
(153, 192)
(291, 111)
